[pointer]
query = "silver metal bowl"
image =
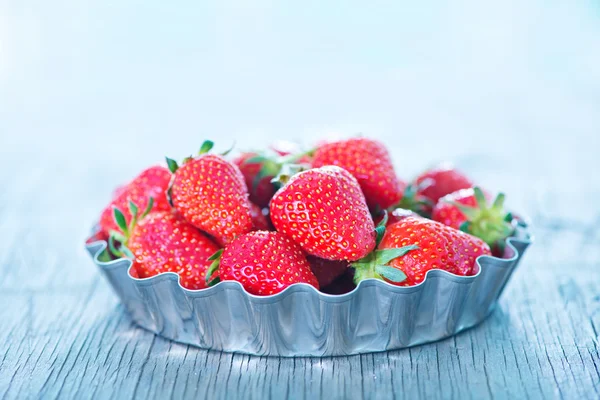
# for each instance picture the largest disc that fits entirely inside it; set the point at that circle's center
(301, 321)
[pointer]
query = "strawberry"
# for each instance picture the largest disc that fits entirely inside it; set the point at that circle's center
(152, 182)
(210, 193)
(260, 169)
(411, 247)
(325, 212)
(440, 181)
(326, 271)
(263, 262)
(259, 220)
(342, 285)
(371, 165)
(469, 211)
(162, 241)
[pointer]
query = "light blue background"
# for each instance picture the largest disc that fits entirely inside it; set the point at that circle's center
(95, 81)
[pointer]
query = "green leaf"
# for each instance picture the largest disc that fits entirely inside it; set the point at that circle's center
(213, 282)
(113, 248)
(390, 273)
(127, 252)
(206, 146)
(214, 267)
(499, 202)
(380, 229)
(117, 236)
(258, 159)
(480, 197)
(465, 226)
(386, 255)
(410, 191)
(216, 255)
(133, 209)
(148, 207)
(229, 149)
(120, 220)
(508, 217)
(172, 164)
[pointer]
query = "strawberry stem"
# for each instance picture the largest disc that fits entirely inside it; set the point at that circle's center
(490, 223)
(126, 230)
(412, 201)
(374, 265)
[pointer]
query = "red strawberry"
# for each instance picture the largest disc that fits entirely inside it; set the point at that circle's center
(260, 187)
(371, 165)
(259, 170)
(413, 246)
(264, 263)
(440, 181)
(342, 285)
(468, 210)
(259, 220)
(326, 271)
(210, 193)
(448, 213)
(152, 182)
(324, 211)
(163, 242)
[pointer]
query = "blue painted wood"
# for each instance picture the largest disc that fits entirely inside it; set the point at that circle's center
(91, 92)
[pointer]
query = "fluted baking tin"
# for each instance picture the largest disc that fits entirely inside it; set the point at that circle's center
(301, 321)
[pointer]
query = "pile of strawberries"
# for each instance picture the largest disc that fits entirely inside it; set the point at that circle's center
(329, 217)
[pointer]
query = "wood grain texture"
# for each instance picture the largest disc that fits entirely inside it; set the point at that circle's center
(89, 94)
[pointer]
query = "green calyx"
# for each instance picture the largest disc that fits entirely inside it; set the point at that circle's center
(491, 223)
(412, 201)
(375, 264)
(206, 147)
(212, 280)
(279, 168)
(117, 241)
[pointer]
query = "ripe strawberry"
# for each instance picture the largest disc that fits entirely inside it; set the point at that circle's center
(259, 220)
(326, 271)
(440, 181)
(468, 210)
(324, 211)
(152, 182)
(260, 169)
(342, 285)
(210, 194)
(411, 247)
(264, 263)
(163, 242)
(371, 165)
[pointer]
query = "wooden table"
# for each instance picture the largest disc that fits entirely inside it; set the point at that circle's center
(90, 94)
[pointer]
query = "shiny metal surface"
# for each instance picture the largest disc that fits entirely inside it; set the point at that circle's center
(301, 321)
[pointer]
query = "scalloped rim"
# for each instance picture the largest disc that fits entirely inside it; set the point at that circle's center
(524, 237)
